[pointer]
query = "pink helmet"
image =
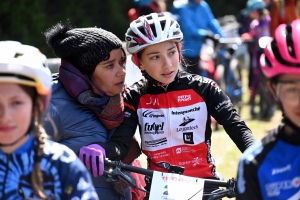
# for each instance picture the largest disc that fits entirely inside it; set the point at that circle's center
(282, 54)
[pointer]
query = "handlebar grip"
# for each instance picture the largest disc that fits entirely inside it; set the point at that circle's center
(130, 168)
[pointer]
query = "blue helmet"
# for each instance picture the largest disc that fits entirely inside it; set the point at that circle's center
(254, 5)
(142, 2)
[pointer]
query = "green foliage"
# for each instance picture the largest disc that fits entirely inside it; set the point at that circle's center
(27, 20)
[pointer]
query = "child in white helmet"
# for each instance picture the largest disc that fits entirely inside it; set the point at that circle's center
(31, 167)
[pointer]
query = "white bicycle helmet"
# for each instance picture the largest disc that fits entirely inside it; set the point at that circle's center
(151, 29)
(27, 72)
(15, 49)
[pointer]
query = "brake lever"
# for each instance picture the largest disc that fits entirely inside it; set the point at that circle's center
(124, 177)
(116, 175)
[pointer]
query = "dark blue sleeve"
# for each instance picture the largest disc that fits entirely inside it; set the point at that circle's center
(76, 180)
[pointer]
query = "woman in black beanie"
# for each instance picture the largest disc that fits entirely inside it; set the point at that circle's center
(86, 104)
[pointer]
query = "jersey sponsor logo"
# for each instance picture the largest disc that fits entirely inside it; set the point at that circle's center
(154, 101)
(189, 128)
(185, 111)
(156, 143)
(222, 105)
(186, 120)
(274, 189)
(160, 155)
(154, 128)
(196, 161)
(207, 80)
(164, 165)
(184, 98)
(281, 170)
(188, 138)
(180, 150)
(127, 114)
(152, 114)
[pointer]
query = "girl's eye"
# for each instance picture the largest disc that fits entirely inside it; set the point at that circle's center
(172, 52)
(292, 90)
(109, 66)
(15, 103)
(123, 60)
(154, 58)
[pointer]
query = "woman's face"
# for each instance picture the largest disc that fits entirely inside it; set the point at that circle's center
(109, 75)
(161, 61)
(15, 113)
(288, 92)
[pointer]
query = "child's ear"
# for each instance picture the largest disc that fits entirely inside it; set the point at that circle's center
(135, 59)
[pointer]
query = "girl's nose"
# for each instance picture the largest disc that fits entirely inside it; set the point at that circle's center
(122, 70)
(4, 114)
(167, 63)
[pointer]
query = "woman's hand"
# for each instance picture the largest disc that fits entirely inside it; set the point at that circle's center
(93, 157)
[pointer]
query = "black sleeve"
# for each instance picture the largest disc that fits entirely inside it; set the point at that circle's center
(117, 147)
(221, 108)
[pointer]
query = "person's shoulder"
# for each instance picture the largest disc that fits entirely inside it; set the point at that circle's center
(58, 151)
(136, 87)
(204, 4)
(251, 152)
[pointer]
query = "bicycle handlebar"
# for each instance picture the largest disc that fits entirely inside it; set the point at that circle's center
(149, 172)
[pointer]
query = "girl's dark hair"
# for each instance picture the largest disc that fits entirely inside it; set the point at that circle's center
(40, 137)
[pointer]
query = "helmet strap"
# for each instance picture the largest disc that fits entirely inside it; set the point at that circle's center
(136, 60)
(288, 122)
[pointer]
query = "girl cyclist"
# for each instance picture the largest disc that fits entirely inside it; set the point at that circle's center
(172, 107)
(31, 167)
(270, 168)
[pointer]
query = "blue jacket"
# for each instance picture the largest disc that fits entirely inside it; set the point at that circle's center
(65, 177)
(195, 20)
(77, 126)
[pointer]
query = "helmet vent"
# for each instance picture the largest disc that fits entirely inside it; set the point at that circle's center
(18, 55)
(142, 30)
(267, 62)
(163, 24)
(289, 41)
(278, 56)
(149, 17)
(152, 26)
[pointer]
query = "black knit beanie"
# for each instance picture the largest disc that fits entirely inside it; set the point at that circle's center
(85, 48)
